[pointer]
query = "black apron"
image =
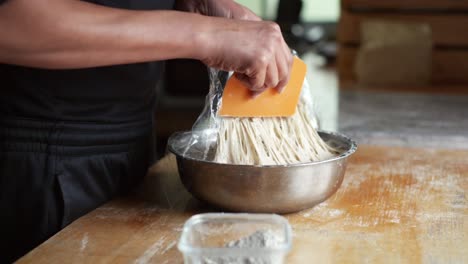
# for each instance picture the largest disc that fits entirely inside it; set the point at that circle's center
(70, 140)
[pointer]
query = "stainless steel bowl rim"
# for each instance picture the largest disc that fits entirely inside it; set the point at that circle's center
(351, 150)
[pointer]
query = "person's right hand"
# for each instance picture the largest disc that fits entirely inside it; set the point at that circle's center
(254, 50)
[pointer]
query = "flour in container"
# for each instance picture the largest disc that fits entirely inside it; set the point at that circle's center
(262, 239)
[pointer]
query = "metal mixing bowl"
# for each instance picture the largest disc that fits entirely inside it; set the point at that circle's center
(263, 189)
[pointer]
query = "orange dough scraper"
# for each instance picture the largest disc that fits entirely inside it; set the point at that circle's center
(237, 99)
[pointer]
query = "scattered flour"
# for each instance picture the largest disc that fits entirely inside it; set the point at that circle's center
(151, 251)
(168, 247)
(259, 239)
(84, 242)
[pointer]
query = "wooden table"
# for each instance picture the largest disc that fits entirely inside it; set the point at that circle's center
(396, 205)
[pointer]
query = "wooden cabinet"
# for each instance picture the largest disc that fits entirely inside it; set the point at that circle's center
(448, 20)
(455, 5)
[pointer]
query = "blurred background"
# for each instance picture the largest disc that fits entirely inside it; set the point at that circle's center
(392, 72)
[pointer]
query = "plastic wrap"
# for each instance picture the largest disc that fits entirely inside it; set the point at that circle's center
(201, 145)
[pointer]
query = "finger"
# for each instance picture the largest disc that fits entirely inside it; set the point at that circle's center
(246, 81)
(256, 94)
(255, 83)
(288, 54)
(288, 60)
(257, 78)
(271, 76)
(283, 71)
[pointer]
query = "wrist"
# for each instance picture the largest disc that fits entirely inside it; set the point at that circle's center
(204, 39)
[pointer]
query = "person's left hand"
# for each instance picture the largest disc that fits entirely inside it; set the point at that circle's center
(218, 8)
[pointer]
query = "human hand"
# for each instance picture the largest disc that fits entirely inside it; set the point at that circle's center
(217, 8)
(254, 50)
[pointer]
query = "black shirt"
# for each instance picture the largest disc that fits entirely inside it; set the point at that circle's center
(120, 93)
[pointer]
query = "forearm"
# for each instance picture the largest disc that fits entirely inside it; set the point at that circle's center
(76, 34)
(70, 34)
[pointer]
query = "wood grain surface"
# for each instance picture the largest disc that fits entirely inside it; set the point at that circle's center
(396, 205)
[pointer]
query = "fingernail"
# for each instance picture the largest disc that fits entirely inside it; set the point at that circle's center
(281, 89)
(255, 94)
